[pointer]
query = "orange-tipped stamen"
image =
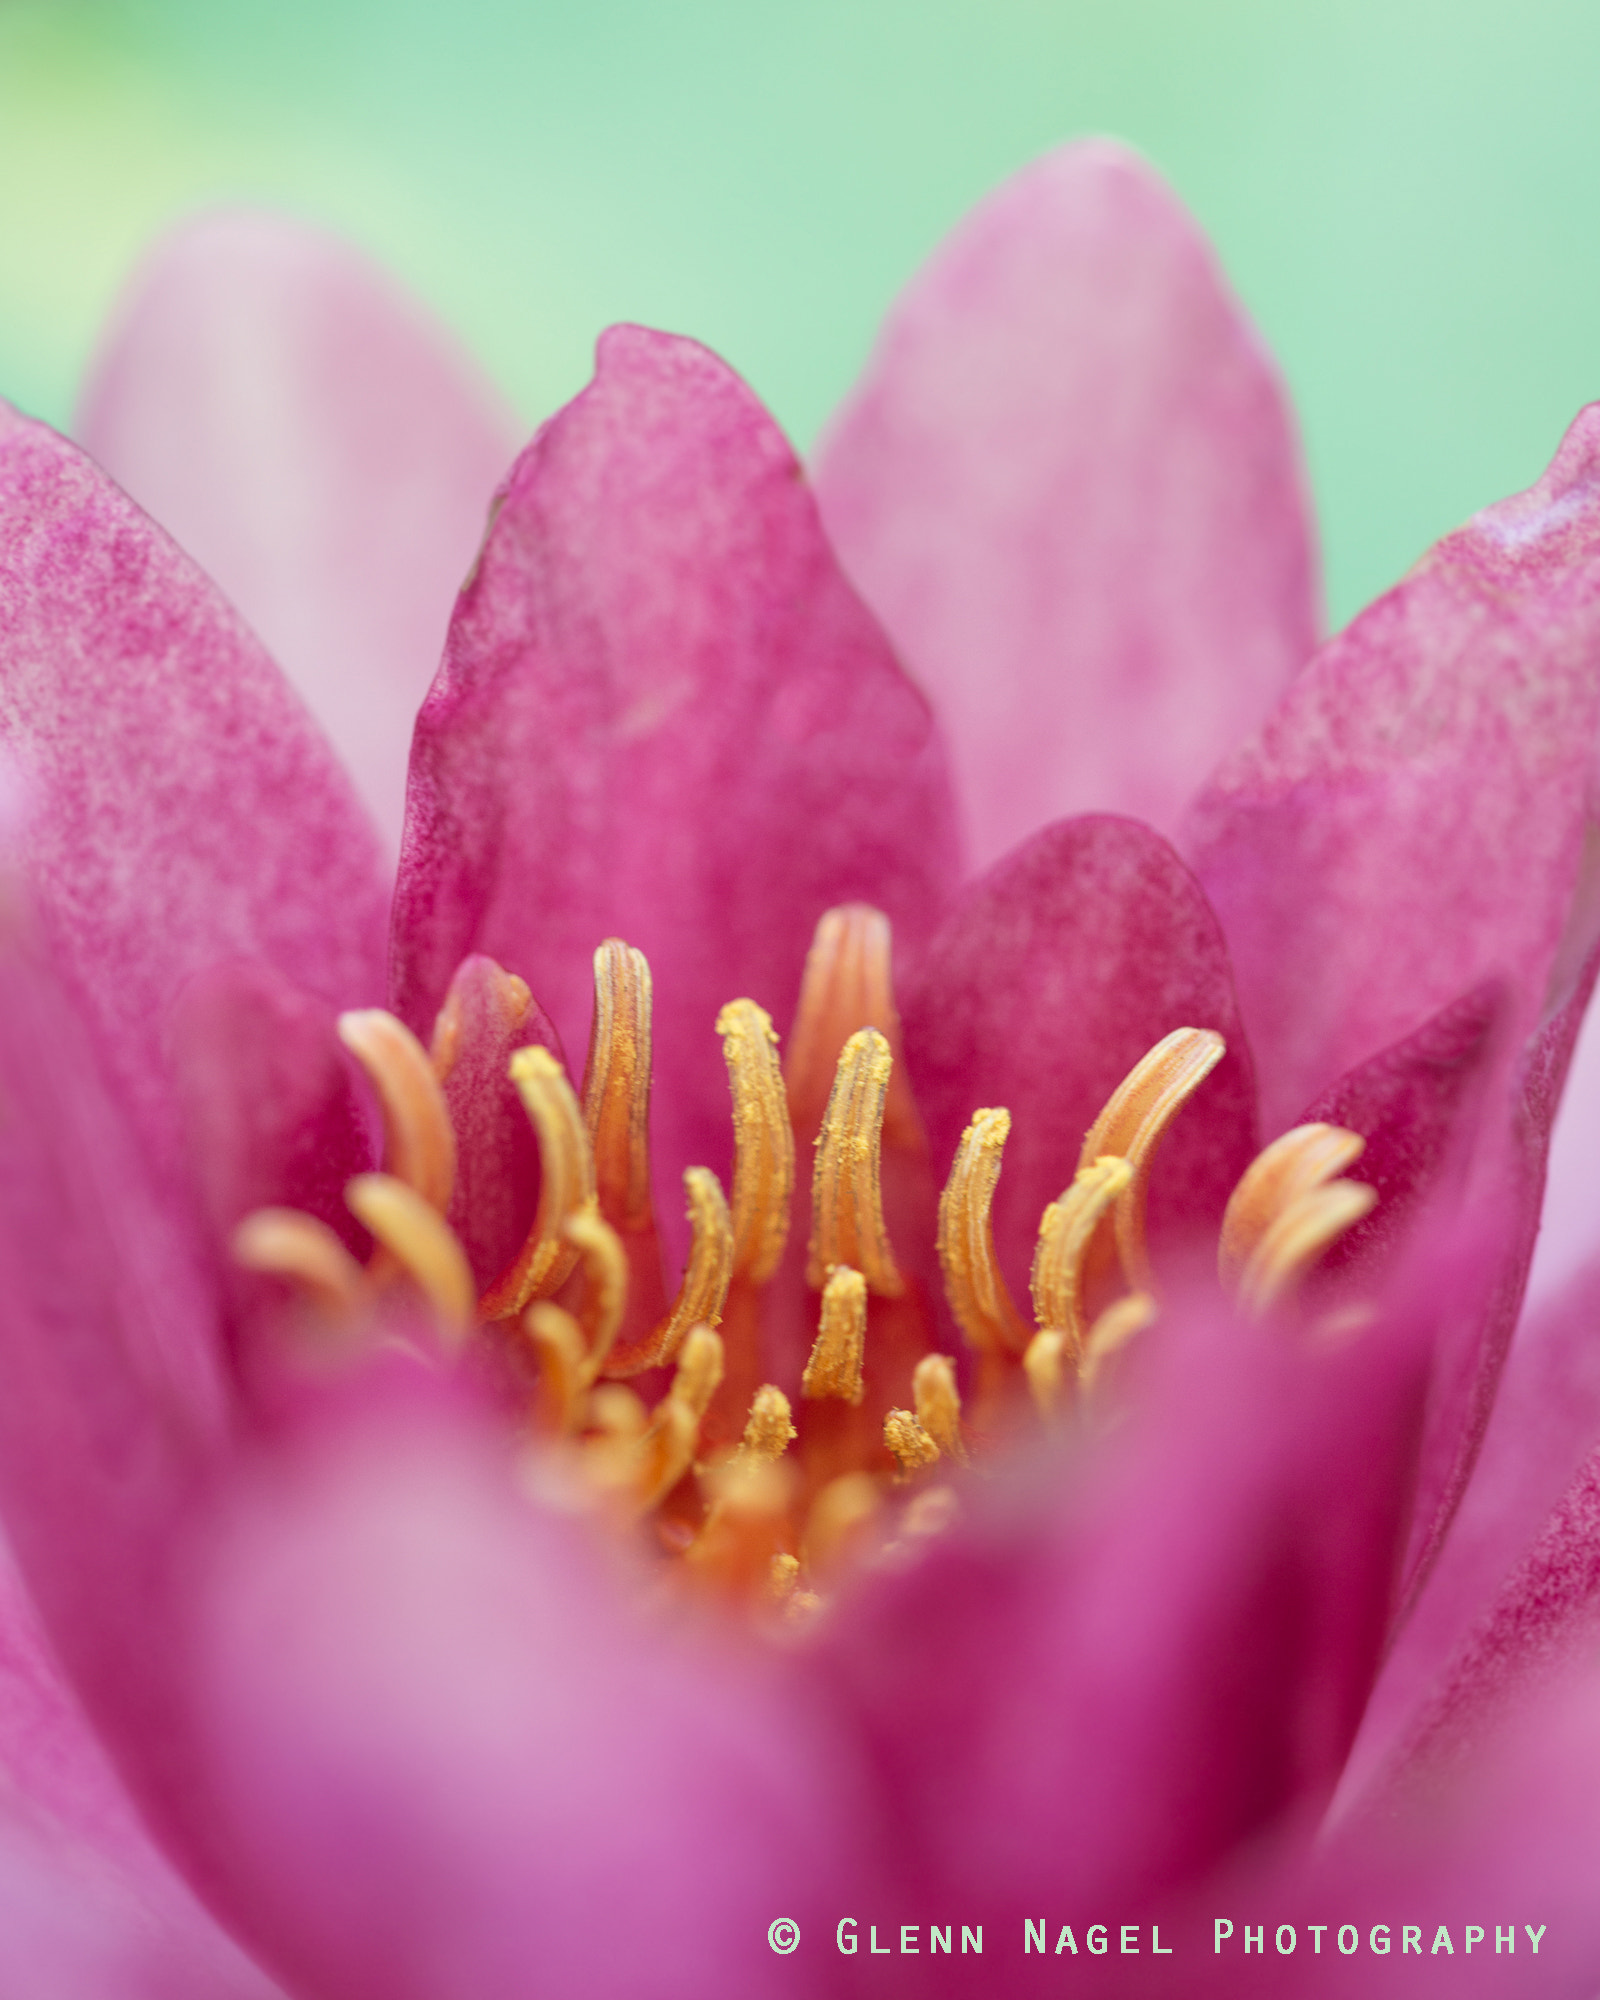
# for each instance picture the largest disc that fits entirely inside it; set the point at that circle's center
(763, 1167)
(973, 1283)
(567, 1184)
(616, 1086)
(1065, 1232)
(847, 1224)
(419, 1143)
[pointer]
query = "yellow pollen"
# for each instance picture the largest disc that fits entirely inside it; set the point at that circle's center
(769, 1430)
(419, 1142)
(566, 1186)
(706, 1277)
(973, 1283)
(563, 1365)
(605, 1286)
(911, 1445)
(1065, 1231)
(846, 1196)
(417, 1236)
(616, 1086)
(938, 1403)
(1112, 1330)
(1306, 1158)
(287, 1243)
(783, 1577)
(834, 1370)
(1134, 1123)
(763, 1170)
(847, 984)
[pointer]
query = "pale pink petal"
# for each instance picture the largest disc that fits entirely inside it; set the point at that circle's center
(663, 715)
(1412, 819)
(1569, 1221)
(319, 445)
(1049, 980)
(173, 803)
(1069, 485)
(445, 1759)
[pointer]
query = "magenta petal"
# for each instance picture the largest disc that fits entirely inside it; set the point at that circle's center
(177, 805)
(1049, 980)
(446, 1760)
(1095, 1695)
(321, 447)
(663, 715)
(1069, 485)
(1412, 818)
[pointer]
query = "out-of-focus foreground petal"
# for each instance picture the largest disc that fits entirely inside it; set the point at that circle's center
(88, 1907)
(1049, 980)
(1068, 483)
(1413, 817)
(663, 715)
(445, 1761)
(321, 447)
(172, 802)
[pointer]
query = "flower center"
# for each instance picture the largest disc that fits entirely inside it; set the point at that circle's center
(761, 1496)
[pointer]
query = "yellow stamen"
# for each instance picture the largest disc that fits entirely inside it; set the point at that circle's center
(615, 1411)
(1309, 1156)
(1134, 1123)
(563, 1364)
(973, 1283)
(1113, 1329)
(567, 1184)
(769, 1430)
(747, 1517)
(286, 1243)
(842, 1514)
(1065, 1231)
(706, 1277)
(847, 984)
(419, 1143)
(616, 1085)
(605, 1283)
(1297, 1237)
(668, 1445)
(834, 1370)
(911, 1445)
(417, 1236)
(938, 1403)
(763, 1170)
(846, 1197)
(1045, 1365)
(783, 1578)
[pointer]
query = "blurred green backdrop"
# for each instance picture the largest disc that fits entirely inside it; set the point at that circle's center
(1405, 191)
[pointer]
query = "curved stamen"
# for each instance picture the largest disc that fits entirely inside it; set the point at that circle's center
(1065, 1231)
(769, 1429)
(616, 1086)
(763, 1166)
(938, 1403)
(1113, 1329)
(847, 984)
(911, 1445)
(1134, 1123)
(1297, 1237)
(706, 1278)
(978, 1294)
(834, 1370)
(563, 1365)
(846, 1194)
(668, 1446)
(605, 1288)
(288, 1243)
(417, 1236)
(567, 1184)
(1307, 1157)
(1045, 1365)
(419, 1143)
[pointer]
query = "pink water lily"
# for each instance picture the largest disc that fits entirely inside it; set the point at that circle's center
(316, 1672)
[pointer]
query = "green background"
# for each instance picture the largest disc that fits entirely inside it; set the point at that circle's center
(1405, 191)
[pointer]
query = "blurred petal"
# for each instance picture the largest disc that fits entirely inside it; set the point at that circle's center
(1412, 819)
(446, 1762)
(1569, 1221)
(1068, 483)
(177, 806)
(664, 716)
(320, 446)
(1049, 980)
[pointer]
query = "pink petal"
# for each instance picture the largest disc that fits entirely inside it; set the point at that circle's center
(177, 805)
(321, 447)
(1090, 1695)
(1411, 819)
(446, 1760)
(663, 715)
(1068, 483)
(88, 1906)
(1050, 979)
